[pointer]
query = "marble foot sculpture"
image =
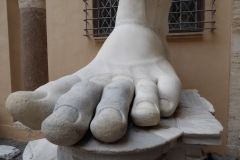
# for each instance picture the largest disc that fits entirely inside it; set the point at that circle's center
(129, 76)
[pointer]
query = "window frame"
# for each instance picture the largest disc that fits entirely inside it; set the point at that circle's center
(96, 19)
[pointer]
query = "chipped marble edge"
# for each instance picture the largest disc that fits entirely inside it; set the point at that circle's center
(212, 135)
(194, 92)
(200, 140)
(212, 129)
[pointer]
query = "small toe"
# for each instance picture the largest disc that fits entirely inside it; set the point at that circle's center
(165, 107)
(169, 94)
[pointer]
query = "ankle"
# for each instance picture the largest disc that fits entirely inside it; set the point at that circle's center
(131, 11)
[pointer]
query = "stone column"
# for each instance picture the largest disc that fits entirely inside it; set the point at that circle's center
(233, 143)
(33, 43)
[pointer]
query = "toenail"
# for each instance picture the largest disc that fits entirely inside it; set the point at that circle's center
(145, 114)
(146, 105)
(164, 103)
(112, 113)
(66, 112)
(108, 126)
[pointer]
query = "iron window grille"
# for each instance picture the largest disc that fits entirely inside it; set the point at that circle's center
(184, 16)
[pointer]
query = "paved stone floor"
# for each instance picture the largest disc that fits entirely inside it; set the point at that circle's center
(19, 145)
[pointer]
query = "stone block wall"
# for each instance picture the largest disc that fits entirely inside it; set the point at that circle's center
(233, 142)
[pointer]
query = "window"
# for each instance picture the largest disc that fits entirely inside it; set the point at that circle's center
(105, 15)
(184, 16)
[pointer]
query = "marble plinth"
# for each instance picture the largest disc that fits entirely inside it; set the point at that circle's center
(139, 143)
(182, 135)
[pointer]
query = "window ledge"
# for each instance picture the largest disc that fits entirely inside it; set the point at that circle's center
(169, 36)
(185, 35)
(100, 39)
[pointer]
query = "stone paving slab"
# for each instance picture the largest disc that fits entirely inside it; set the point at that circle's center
(19, 145)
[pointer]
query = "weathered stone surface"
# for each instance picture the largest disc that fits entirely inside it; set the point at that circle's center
(8, 152)
(196, 100)
(40, 150)
(167, 132)
(135, 140)
(189, 121)
(138, 143)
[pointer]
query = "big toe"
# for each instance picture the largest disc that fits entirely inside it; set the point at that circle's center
(25, 107)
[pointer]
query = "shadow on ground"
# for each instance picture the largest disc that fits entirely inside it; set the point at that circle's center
(216, 157)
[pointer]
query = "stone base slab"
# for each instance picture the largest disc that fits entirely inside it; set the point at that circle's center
(42, 149)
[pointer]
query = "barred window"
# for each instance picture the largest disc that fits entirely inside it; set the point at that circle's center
(106, 15)
(184, 16)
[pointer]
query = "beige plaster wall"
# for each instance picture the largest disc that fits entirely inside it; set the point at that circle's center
(68, 49)
(201, 63)
(14, 44)
(5, 77)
